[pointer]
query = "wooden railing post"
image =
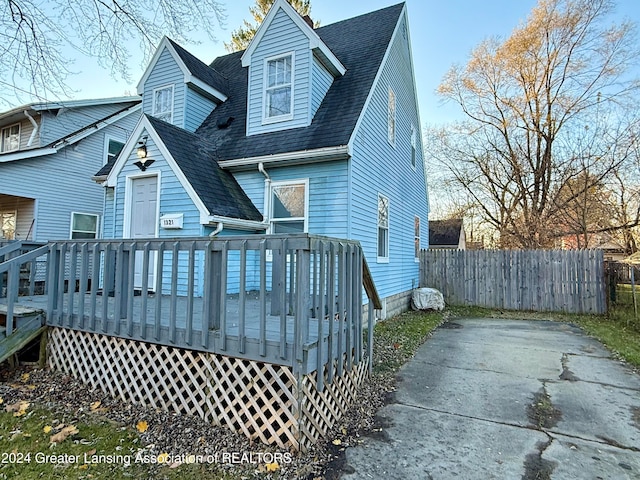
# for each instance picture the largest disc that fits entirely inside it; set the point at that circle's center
(301, 325)
(53, 264)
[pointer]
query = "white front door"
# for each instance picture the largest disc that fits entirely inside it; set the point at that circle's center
(144, 221)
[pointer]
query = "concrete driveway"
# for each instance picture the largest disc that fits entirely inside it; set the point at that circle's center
(507, 399)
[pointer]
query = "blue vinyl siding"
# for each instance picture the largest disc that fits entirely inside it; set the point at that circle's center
(197, 109)
(166, 72)
(69, 120)
(328, 193)
(61, 183)
(283, 36)
(378, 167)
(321, 82)
(173, 199)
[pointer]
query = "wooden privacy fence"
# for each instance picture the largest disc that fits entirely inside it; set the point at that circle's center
(570, 281)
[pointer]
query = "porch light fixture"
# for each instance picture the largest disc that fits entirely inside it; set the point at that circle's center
(142, 153)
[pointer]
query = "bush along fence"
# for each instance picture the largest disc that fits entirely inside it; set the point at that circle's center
(571, 281)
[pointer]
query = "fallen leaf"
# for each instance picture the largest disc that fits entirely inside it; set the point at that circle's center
(25, 377)
(91, 452)
(142, 426)
(272, 467)
(337, 441)
(344, 431)
(15, 407)
(174, 465)
(62, 435)
(95, 405)
(163, 457)
(84, 466)
(1, 400)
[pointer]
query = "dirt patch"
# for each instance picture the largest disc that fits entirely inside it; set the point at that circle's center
(451, 325)
(635, 416)
(541, 412)
(567, 374)
(536, 467)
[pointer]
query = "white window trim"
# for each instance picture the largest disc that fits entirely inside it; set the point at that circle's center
(392, 117)
(379, 258)
(281, 183)
(265, 71)
(107, 139)
(9, 127)
(126, 227)
(419, 237)
(71, 230)
(153, 105)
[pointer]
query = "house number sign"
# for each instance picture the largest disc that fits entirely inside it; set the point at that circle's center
(172, 221)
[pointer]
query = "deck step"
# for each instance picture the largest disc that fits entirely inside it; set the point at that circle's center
(20, 338)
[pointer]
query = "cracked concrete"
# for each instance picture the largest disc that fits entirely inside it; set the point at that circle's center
(464, 403)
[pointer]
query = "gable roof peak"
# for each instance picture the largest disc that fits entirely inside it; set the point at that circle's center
(315, 42)
(194, 70)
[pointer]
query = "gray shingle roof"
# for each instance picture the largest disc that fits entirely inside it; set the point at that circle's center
(217, 188)
(359, 43)
(201, 70)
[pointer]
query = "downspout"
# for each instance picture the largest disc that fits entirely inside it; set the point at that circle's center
(218, 229)
(267, 192)
(35, 128)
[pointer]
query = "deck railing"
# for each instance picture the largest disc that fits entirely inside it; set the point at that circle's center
(293, 300)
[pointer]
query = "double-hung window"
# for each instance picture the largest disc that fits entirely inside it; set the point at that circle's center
(163, 103)
(84, 226)
(416, 237)
(391, 118)
(7, 225)
(383, 228)
(289, 204)
(414, 142)
(278, 89)
(10, 138)
(114, 148)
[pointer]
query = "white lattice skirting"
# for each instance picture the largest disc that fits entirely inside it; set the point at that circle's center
(261, 400)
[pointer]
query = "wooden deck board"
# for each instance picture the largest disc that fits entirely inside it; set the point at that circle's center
(252, 323)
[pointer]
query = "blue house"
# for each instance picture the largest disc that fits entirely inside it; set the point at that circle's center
(46, 150)
(307, 130)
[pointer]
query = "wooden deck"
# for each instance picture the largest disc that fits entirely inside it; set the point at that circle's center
(189, 334)
(263, 334)
(262, 297)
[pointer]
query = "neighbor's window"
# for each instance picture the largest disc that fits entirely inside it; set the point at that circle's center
(383, 228)
(279, 88)
(416, 237)
(289, 207)
(413, 146)
(7, 225)
(114, 148)
(391, 117)
(84, 226)
(163, 103)
(10, 138)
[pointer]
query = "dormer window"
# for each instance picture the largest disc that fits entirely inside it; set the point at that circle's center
(10, 138)
(278, 90)
(163, 103)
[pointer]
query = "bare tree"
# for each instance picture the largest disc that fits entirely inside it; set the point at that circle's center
(530, 104)
(34, 36)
